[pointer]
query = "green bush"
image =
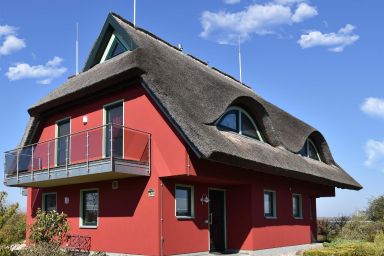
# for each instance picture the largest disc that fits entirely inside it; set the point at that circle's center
(12, 222)
(49, 228)
(375, 210)
(44, 249)
(359, 228)
(329, 229)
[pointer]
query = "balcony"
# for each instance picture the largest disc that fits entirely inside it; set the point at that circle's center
(104, 153)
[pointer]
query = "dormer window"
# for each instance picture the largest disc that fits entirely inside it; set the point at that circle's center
(114, 47)
(310, 150)
(238, 120)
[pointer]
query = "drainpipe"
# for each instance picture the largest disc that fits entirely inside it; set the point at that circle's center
(188, 162)
(161, 220)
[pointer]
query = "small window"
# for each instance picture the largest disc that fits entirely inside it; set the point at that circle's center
(270, 204)
(184, 202)
(114, 48)
(239, 121)
(310, 150)
(49, 202)
(297, 206)
(89, 208)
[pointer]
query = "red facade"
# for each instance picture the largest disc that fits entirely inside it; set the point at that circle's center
(138, 217)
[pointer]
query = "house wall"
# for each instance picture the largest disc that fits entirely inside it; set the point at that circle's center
(129, 219)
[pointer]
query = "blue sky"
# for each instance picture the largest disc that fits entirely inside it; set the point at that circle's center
(321, 61)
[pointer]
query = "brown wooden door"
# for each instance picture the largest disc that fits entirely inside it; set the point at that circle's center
(217, 220)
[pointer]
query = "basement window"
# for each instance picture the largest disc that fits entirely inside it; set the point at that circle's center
(49, 202)
(237, 120)
(309, 150)
(297, 206)
(269, 204)
(184, 201)
(89, 208)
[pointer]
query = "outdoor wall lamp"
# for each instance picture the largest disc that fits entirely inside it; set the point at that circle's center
(204, 199)
(66, 200)
(85, 120)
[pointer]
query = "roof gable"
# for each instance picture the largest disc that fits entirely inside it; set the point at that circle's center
(110, 29)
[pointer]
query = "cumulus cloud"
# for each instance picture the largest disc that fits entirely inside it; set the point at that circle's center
(44, 74)
(335, 42)
(260, 19)
(374, 151)
(373, 106)
(9, 42)
(304, 11)
(232, 1)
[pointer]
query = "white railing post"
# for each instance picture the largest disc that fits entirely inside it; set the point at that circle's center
(32, 164)
(67, 154)
(87, 151)
(49, 159)
(111, 151)
(17, 165)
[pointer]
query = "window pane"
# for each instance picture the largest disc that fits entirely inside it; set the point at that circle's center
(296, 201)
(63, 141)
(312, 152)
(183, 201)
(49, 202)
(269, 204)
(230, 121)
(90, 208)
(247, 128)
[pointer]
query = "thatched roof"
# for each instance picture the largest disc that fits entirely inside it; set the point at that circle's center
(193, 96)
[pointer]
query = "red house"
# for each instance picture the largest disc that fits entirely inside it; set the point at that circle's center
(150, 151)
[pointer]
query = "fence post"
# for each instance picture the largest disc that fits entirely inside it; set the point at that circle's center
(87, 151)
(111, 127)
(67, 154)
(32, 164)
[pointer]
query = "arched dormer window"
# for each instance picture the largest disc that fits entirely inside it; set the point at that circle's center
(237, 120)
(310, 150)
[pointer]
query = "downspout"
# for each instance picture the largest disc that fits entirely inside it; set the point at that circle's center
(161, 220)
(188, 161)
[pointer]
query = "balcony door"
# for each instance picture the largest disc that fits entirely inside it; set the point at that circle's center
(63, 141)
(114, 130)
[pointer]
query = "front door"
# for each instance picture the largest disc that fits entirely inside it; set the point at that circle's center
(217, 220)
(114, 131)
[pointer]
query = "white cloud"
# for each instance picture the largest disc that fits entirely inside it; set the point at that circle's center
(335, 42)
(11, 43)
(304, 11)
(43, 73)
(374, 151)
(256, 19)
(373, 106)
(232, 1)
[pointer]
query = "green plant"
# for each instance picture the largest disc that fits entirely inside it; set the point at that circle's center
(359, 228)
(375, 210)
(12, 222)
(49, 227)
(44, 249)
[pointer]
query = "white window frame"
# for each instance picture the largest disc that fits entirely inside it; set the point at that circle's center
(120, 101)
(239, 125)
(81, 225)
(309, 141)
(112, 39)
(300, 206)
(274, 216)
(69, 118)
(192, 216)
(43, 200)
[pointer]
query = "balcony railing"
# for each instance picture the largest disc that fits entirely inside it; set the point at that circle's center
(83, 150)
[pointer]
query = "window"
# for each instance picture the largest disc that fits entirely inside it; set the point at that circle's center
(239, 121)
(114, 119)
(310, 150)
(297, 206)
(89, 208)
(269, 204)
(114, 48)
(184, 202)
(49, 202)
(63, 141)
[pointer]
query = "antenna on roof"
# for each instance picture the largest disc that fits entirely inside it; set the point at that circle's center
(77, 48)
(134, 13)
(241, 76)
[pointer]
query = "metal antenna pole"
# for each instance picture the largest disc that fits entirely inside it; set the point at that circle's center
(134, 13)
(77, 48)
(240, 71)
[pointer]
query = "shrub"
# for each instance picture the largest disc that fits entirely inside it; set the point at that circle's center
(49, 228)
(359, 228)
(375, 210)
(43, 249)
(12, 222)
(329, 229)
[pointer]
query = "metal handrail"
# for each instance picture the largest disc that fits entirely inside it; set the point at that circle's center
(75, 133)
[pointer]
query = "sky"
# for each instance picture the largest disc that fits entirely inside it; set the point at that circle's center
(321, 61)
